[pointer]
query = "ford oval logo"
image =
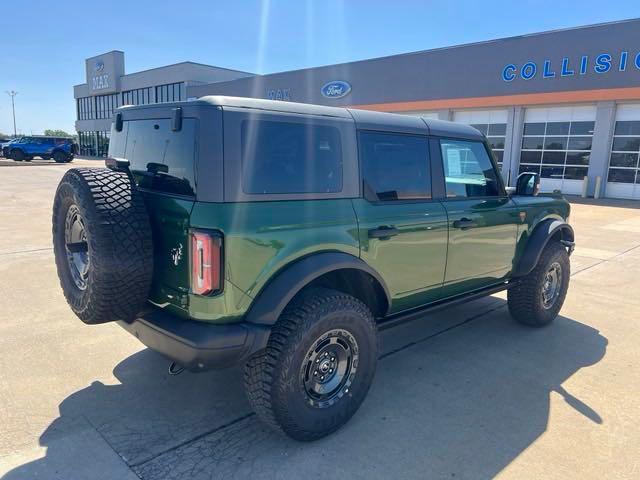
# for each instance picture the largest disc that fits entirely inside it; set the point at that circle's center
(99, 66)
(336, 89)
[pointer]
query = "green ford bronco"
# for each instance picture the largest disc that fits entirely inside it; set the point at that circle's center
(283, 236)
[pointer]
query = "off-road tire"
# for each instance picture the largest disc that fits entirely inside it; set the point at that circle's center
(17, 155)
(60, 157)
(272, 377)
(118, 244)
(525, 301)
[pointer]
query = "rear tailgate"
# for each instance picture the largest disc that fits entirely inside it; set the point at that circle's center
(162, 161)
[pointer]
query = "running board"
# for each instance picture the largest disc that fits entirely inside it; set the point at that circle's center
(408, 316)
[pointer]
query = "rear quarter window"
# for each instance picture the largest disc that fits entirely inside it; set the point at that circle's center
(159, 158)
(289, 157)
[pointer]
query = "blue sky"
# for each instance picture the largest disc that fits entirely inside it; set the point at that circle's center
(44, 46)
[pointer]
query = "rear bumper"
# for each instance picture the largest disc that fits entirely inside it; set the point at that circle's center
(198, 346)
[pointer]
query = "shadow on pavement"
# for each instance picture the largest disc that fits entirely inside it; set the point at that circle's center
(463, 404)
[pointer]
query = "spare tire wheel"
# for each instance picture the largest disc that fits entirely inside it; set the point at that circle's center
(102, 244)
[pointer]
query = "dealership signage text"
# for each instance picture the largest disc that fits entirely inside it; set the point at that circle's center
(567, 67)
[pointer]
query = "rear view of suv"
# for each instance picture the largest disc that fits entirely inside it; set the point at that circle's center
(61, 149)
(282, 236)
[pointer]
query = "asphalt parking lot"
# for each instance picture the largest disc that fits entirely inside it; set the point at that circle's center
(464, 394)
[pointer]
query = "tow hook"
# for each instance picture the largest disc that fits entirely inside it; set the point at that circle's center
(175, 369)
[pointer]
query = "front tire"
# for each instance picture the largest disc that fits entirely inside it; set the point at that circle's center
(318, 365)
(537, 299)
(18, 155)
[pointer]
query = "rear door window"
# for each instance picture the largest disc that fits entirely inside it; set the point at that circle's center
(288, 157)
(394, 166)
(160, 159)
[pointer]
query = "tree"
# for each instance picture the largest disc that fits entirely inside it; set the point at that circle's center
(57, 133)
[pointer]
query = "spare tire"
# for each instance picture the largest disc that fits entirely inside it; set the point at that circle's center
(102, 244)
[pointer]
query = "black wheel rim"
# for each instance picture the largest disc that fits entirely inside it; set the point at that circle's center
(329, 368)
(75, 239)
(551, 285)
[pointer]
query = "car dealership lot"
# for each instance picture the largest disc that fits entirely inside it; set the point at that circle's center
(465, 393)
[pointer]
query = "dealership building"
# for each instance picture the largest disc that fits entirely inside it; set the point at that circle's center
(564, 103)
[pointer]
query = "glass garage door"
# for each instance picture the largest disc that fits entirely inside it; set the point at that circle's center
(556, 143)
(623, 179)
(493, 123)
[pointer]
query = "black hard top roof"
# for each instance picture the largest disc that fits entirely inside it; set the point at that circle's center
(364, 119)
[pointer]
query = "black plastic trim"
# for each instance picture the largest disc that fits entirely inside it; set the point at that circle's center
(197, 345)
(539, 239)
(414, 314)
(275, 296)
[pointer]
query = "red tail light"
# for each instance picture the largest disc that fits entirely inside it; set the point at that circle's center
(206, 263)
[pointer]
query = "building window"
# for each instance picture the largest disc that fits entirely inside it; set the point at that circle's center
(93, 144)
(557, 150)
(86, 108)
(106, 105)
(625, 153)
(169, 93)
(495, 133)
(139, 96)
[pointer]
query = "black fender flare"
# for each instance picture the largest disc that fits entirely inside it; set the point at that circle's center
(274, 297)
(539, 239)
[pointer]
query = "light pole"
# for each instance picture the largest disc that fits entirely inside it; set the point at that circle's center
(12, 94)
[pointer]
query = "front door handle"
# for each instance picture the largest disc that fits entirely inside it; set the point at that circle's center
(383, 232)
(464, 224)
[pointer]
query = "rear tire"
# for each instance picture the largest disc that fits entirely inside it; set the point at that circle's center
(335, 334)
(60, 157)
(537, 299)
(102, 245)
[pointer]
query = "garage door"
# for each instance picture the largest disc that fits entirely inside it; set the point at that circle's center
(623, 179)
(556, 143)
(493, 123)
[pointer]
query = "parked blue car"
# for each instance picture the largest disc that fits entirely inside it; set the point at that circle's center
(61, 149)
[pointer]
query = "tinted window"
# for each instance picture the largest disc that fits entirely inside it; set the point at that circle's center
(578, 158)
(626, 144)
(285, 157)
(580, 143)
(498, 129)
(395, 167)
(468, 169)
(159, 158)
(534, 128)
(530, 157)
(624, 160)
(555, 143)
(627, 128)
(534, 143)
(582, 128)
(558, 128)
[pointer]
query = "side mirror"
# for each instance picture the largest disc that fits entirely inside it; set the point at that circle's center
(528, 183)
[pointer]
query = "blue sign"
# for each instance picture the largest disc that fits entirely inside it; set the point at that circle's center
(336, 89)
(568, 67)
(99, 66)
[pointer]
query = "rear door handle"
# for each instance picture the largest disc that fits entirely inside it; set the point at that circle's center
(464, 224)
(383, 232)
